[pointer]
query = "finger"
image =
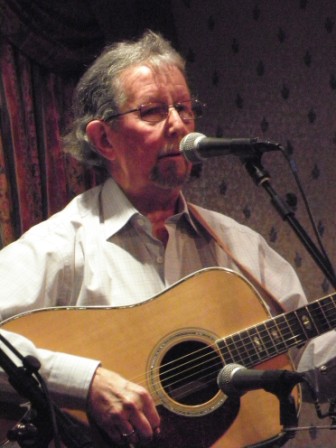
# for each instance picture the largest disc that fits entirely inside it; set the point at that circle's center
(142, 414)
(142, 427)
(145, 431)
(151, 412)
(130, 438)
(128, 433)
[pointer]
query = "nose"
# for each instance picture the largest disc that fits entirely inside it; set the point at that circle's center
(175, 123)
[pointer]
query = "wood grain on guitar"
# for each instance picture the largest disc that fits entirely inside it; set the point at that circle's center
(176, 343)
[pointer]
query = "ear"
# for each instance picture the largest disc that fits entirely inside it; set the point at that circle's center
(99, 134)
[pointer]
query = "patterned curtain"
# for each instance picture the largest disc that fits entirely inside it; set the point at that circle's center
(36, 178)
(44, 47)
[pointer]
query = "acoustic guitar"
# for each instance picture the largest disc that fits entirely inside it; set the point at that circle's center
(176, 343)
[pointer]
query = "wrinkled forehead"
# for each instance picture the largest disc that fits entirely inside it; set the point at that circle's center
(142, 75)
(158, 74)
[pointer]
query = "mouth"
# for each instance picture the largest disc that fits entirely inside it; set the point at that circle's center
(170, 154)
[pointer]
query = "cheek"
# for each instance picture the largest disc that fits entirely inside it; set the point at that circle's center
(145, 145)
(138, 152)
(141, 135)
(191, 126)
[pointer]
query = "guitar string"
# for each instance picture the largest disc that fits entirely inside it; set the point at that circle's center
(233, 347)
(264, 330)
(233, 344)
(217, 363)
(198, 372)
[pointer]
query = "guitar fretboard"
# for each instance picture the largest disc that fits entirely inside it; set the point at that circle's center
(275, 336)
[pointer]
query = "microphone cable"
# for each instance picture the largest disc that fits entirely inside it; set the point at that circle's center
(295, 171)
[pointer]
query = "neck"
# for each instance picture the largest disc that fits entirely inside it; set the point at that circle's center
(156, 202)
(158, 219)
(158, 211)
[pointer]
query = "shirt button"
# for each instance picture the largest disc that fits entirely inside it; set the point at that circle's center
(159, 259)
(141, 222)
(323, 370)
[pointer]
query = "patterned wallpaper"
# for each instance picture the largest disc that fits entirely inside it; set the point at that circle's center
(267, 69)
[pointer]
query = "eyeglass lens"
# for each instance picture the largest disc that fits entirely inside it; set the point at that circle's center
(154, 112)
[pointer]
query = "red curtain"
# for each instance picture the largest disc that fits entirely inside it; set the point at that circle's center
(44, 48)
(36, 179)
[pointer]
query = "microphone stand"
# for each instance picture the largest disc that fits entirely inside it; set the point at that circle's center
(40, 429)
(282, 387)
(261, 177)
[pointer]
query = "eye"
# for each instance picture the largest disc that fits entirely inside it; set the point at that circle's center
(153, 111)
(184, 109)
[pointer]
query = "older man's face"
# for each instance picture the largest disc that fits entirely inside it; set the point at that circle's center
(145, 156)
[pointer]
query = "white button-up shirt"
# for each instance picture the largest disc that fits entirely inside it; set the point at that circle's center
(99, 251)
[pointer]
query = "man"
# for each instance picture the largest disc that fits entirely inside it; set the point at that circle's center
(129, 239)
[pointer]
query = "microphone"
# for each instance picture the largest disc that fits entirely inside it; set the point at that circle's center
(235, 380)
(196, 147)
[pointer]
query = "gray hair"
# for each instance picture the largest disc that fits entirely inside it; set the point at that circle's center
(99, 93)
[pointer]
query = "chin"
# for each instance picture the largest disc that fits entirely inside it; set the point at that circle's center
(172, 175)
(169, 180)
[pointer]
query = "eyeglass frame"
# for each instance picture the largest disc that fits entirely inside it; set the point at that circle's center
(169, 106)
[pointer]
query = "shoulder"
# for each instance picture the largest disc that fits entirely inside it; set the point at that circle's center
(258, 257)
(223, 223)
(81, 211)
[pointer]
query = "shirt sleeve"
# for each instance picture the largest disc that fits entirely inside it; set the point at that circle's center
(318, 362)
(68, 377)
(32, 273)
(33, 276)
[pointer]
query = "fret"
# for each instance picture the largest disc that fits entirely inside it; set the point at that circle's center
(290, 337)
(266, 339)
(238, 348)
(233, 344)
(295, 324)
(307, 322)
(329, 308)
(249, 350)
(278, 344)
(275, 336)
(259, 349)
(325, 323)
(242, 346)
(321, 322)
(313, 320)
(323, 308)
(225, 351)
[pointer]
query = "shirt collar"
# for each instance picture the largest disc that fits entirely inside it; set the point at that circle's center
(117, 210)
(184, 213)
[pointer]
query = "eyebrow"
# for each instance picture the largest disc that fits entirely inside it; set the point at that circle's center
(156, 100)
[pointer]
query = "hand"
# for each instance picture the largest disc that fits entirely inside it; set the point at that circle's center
(123, 410)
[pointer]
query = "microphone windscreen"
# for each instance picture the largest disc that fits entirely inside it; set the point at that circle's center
(188, 146)
(188, 141)
(225, 375)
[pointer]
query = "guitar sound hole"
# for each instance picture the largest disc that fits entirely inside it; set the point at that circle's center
(188, 373)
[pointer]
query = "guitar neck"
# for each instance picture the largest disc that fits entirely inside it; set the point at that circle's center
(277, 335)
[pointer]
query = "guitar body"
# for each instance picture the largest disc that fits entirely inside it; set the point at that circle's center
(169, 345)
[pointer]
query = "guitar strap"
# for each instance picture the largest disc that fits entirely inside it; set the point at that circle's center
(263, 291)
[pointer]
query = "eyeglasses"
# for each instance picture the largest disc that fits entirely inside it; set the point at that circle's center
(157, 111)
